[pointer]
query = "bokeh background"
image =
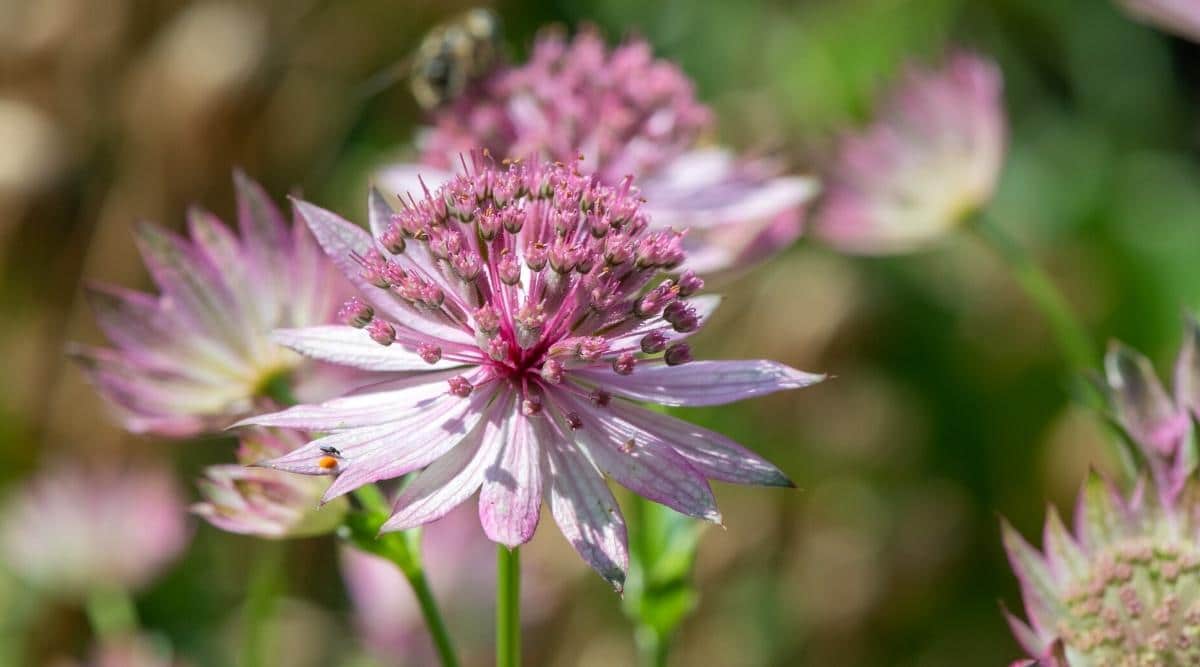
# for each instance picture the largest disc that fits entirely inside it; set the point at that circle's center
(949, 407)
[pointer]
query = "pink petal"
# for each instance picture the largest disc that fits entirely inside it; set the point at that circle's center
(586, 511)
(712, 454)
(648, 467)
(348, 346)
(453, 478)
(510, 500)
(702, 382)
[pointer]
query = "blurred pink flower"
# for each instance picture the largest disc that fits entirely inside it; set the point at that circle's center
(1180, 17)
(1121, 590)
(625, 113)
(198, 356)
(73, 530)
(930, 160)
(515, 311)
(264, 502)
(461, 571)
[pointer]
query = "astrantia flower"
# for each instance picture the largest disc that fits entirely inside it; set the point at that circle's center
(264, 502)
(1180, 17)
(626, 113)
(517, 310)
(197, 356)
(1123, 590)
(72, 530)
(1160, 426)
(931, 160)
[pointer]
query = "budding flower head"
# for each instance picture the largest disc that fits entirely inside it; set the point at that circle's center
(356, 313)
(532, 396)
(1121, 589)
(267, 503)
(928, 163)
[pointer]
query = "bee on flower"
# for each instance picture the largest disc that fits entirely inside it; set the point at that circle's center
(625, 112)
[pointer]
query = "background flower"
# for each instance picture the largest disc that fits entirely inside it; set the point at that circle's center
(73, 530)
(1179, 17)
(927, 163)
(621, 112)
(196, 356)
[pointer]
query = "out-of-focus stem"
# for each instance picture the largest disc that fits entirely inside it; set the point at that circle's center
(403, 549)
(111, 613)
(1070, 336)
(265, 581)
(508, 607)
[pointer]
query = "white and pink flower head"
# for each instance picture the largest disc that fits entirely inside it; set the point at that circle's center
(73, 530)
(626, 113)
(516, 312)
(929, 161)
(1178, 17)
(197, 356)
(242, 498)
(1123, 588)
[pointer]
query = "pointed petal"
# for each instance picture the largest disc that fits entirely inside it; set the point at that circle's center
(586, 511)
(712, 454)
(1187, 368)
(1063, 554)
(701, 382)
(647, 467)
(510, 500)
(453, 478)
(1141, 403)
(1038, 586)
(348, 346)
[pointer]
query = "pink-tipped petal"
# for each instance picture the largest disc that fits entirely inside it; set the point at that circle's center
(351, 347)
(510, 500)
(703, 382)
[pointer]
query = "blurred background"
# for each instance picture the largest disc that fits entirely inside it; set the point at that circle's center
(949, 405)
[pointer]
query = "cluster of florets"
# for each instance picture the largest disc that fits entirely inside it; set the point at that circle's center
(548, 268)
(625, 110)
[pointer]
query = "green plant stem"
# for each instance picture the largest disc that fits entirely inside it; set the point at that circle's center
(652, 647)
(508, 607)
(1070, 336)
(404, 549)
(111, 613)
(266, 581)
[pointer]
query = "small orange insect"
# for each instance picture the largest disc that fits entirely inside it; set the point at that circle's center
(327, 463)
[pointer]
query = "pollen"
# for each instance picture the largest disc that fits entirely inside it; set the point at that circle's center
(327, 463)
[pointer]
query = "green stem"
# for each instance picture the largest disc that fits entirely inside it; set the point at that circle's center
(652, 647)
(508, 607)
(1070, 336)
(265, 583)
(111, 613)
(404, 549)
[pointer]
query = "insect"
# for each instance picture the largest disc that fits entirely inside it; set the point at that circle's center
(330, 450)
(329, 460)
(453, 55)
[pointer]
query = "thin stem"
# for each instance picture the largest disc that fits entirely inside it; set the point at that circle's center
(508, 607)
(652, 647)
(111, 613)
(264, 589)
(1070, 336)
(403, 549)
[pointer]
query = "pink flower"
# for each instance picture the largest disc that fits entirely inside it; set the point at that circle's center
(1120, 590)
(198, 356)
(1159, 424)
(931, 160)
(1181, 17)
(536, 287)
(264, 502)
(72, 530)
(626, 113)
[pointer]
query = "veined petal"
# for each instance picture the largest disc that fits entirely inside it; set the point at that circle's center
(702, 382)
(712, 454)
(585, 510)
(510, 500)
(648, 468)
(454, 477)
(1042, 601)
(348, 346)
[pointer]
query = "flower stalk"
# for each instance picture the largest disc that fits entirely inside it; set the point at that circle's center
(111, 613)
(404, 549)
(508, 607)
(265, 584)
